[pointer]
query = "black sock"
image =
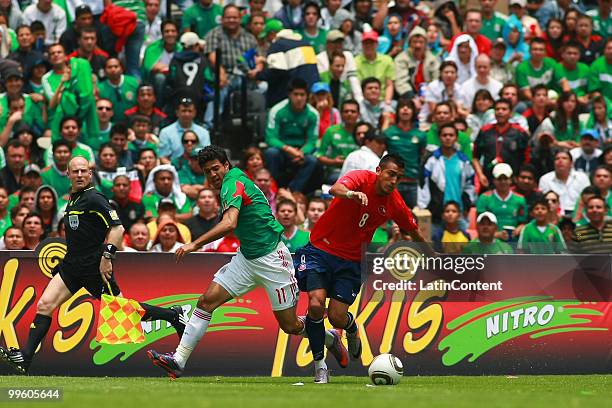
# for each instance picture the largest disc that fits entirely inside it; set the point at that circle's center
(38, 331)
(157, 313)
(316, 336)
(351, 327)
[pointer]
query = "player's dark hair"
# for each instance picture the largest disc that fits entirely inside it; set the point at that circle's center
(297, 83)
(589, 190)
(349, 102)
(317, 200)
(539, 201)
(146, 149)
(453, 203)
(368, 81)
(503, 101)
(15, 209)
(448, 125)
(211, 153)
(87, 30)
(73, 118)
(392, 158)
(530, 168)
(119, 129)
(59, 143)
(565, 152)
(401, 102)
(165, 22)
(312, 4)
(598, 197)
(288, 202)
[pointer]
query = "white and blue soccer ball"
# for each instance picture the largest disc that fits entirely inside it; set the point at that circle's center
(386, 369)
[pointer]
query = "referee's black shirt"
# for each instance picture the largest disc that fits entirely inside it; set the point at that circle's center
(88, 217)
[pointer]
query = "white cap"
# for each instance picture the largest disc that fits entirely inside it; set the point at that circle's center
(502, 169)
(489, 215)
(189, 39)
(522, 3)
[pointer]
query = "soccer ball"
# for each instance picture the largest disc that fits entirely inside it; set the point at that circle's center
(386, 369)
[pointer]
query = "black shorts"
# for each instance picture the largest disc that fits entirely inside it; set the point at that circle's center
(317, 269)
(84, 272)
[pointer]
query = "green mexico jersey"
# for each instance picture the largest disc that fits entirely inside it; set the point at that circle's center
(150, 201)
(409, 145)
(336, 141)
(601, 26)
(528, 77)
(318, 42)
(59, 181)
(476, 247)
(600, 78)
(80, 149)
(299, 239)
(463, 139)
(509, 212)
(541, 240)
(257, 230)
(202, 19)
(577, 78)
(492, 28)
(187, 176)
(122, 96)
(5, 223)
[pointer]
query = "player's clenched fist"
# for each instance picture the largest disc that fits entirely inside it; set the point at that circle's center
(184, 250)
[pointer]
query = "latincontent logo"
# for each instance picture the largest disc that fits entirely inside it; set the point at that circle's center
(401, 263)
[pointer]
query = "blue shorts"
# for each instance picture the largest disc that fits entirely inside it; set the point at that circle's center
(317, 269)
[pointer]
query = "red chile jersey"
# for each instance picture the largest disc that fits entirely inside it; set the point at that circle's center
(346, 225)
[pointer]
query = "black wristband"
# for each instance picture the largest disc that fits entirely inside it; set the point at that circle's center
(111, 249)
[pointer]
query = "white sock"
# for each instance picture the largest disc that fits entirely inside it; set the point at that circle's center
(320, 364)
(329, 336)
(194, 330)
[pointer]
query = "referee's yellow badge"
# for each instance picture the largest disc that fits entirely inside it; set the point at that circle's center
(119, 321)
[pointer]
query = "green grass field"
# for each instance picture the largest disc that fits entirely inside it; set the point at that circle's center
(524, 391)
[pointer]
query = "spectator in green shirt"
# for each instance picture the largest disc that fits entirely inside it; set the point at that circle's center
(56, 175)
(338, 141)
(291, 134)
(192, 176)
(486, 243)
(311, 32)
(539, 236)
(572, 75)
(406, 140)
(120, 89)
(202, 17)
(492, 21)
(292, 236)
(539, 69)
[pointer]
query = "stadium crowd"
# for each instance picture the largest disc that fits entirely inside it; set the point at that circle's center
(504, 121)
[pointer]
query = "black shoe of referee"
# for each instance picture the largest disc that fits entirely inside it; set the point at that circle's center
(15, 358)
(179, 321)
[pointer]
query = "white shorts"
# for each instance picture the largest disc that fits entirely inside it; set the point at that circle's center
(273, 272)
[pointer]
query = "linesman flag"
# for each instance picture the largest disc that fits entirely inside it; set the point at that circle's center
(119, 321)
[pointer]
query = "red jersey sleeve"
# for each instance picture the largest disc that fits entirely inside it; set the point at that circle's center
(401, 214)
(353, 180)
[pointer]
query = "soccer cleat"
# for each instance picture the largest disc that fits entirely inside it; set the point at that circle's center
(338, 350)
(321, 376)
(15, 358)
(167, 362)
(354, 344)
(179, 321)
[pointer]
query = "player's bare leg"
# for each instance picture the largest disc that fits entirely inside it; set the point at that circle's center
(174, 363)
(340, 317)
(54, 295)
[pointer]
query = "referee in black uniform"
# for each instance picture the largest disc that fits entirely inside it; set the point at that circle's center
(89, 222)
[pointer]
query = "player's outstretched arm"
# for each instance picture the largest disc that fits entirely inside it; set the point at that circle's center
(228, 223)
(341, 191)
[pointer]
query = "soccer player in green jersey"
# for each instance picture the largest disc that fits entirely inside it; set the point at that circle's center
(262, 260)
(539, 236)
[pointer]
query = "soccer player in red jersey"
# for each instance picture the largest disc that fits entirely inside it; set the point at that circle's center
(329, 266)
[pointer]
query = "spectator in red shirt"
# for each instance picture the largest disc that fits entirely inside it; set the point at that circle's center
(472, 27)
